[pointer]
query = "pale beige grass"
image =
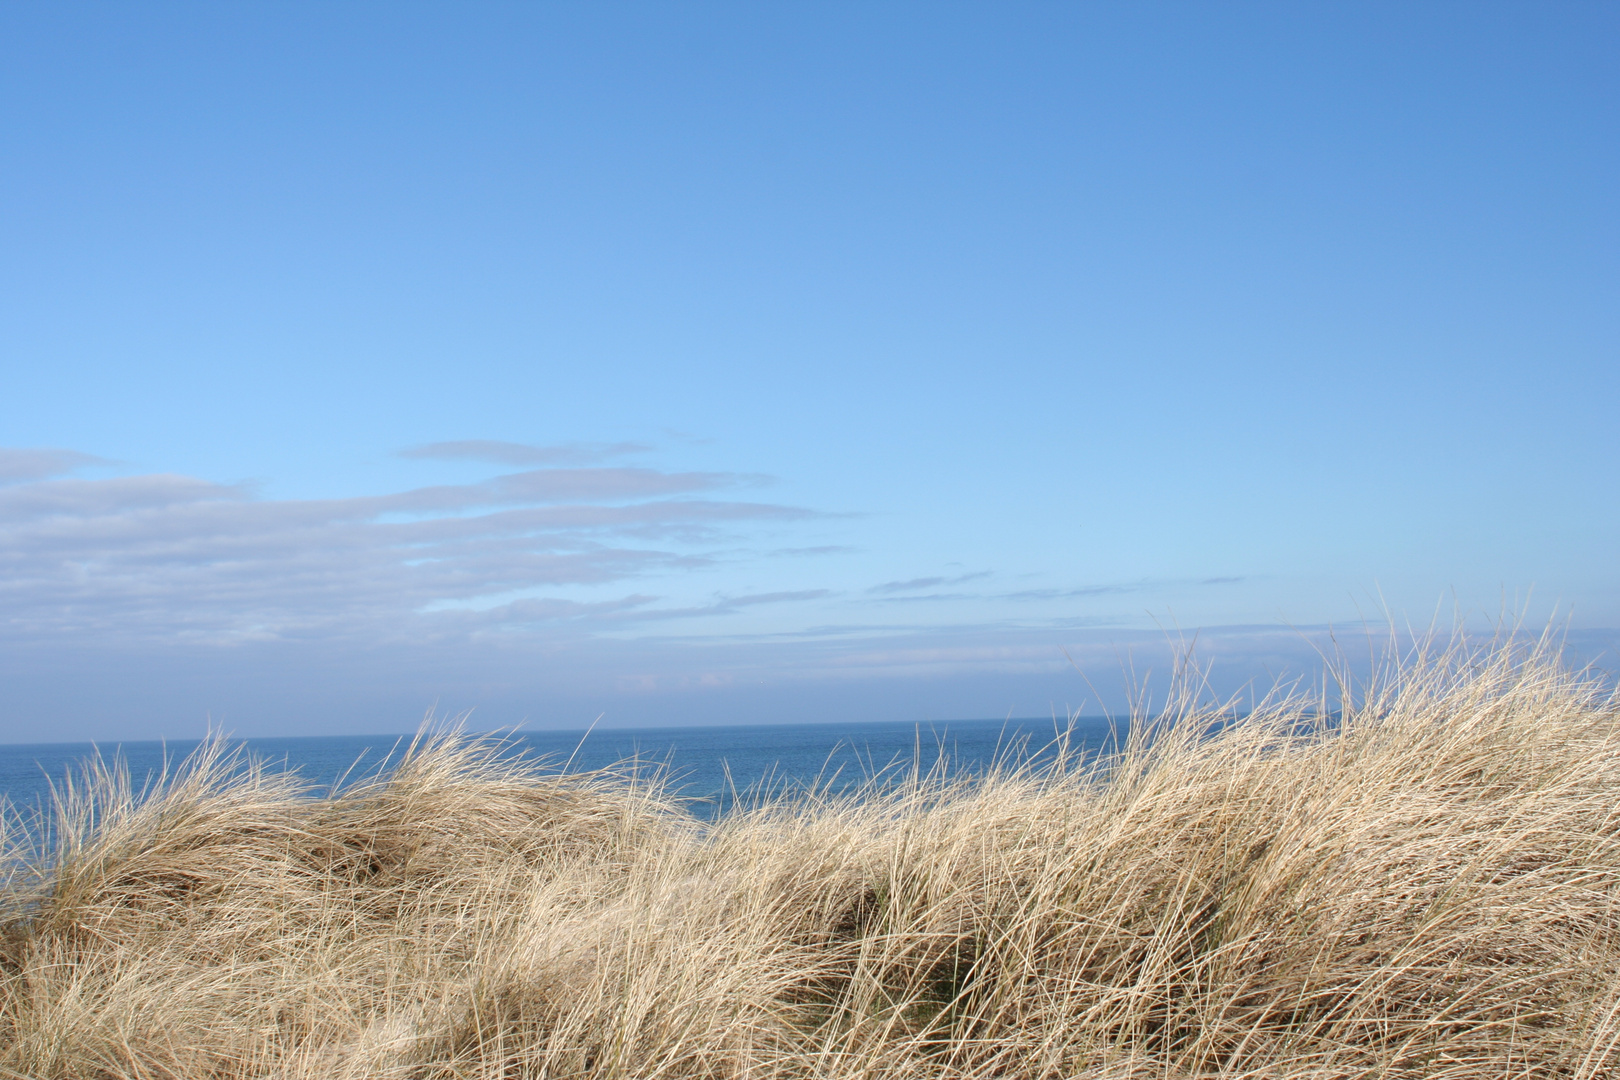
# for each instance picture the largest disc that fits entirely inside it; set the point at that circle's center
(1430, 888)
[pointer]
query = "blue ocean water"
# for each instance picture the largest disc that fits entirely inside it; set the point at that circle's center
(711, 766)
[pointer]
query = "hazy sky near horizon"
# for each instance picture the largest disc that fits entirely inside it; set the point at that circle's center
(726, 363)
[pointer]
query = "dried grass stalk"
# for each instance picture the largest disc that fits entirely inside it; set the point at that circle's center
(1427, 885)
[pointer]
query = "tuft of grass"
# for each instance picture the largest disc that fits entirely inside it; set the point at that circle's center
(1425, 883)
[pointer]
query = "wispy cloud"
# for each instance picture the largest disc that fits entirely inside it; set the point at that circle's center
(916, 590)
(638, 608)
(171, 557)
(1116, 589)
(555, 485)
(795, 596)
(918, 584)
(926, 598)
(509, 453)
(22, 464)
(1069, 594)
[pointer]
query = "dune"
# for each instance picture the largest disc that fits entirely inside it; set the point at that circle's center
(1424, 884)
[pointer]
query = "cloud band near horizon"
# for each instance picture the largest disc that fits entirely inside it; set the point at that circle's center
(166, 557)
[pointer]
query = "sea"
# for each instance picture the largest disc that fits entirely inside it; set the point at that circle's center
(712, 769)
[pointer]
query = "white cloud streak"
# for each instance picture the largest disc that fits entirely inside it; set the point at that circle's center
(165, 557)
(889, 588)
(18, 464)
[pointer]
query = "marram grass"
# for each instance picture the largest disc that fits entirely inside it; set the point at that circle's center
(1429, 887)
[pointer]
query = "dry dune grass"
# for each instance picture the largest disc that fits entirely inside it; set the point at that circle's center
(1429, 888)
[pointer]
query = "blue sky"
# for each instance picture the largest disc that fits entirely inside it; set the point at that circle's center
(733, 363)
